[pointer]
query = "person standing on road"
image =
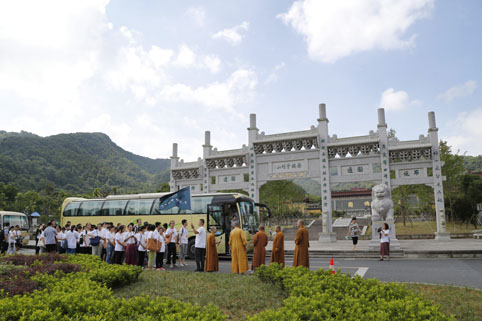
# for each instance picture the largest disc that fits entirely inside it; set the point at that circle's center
(37, 238)
(12, 235)
(120, 245)
(385, 242)
(183, 232)
(72, 237)
(237, 244)
(353, 232)
(260, 240)
(302, 241)
(171, 240)
(110, 244)
(131, 245)
(141, 249)
(50, 234)
(4, 241)
(278, 251)
(212, 260)
(200, 245)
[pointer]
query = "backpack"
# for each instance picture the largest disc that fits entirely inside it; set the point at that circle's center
(95, 241)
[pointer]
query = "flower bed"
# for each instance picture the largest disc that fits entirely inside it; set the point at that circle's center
(323, 296)
(84, 292)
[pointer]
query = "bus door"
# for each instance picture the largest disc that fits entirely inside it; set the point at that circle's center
(216, 219)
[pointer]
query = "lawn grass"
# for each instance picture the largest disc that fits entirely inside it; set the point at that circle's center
(465, 304)
(428, 227)
(236, 295)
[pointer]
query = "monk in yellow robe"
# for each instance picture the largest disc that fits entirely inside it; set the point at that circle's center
(278, 251)
(212, 261)
(302, 242)
(237, 244)
(260, 240)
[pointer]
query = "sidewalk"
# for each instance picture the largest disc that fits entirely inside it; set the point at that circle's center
(470, 248)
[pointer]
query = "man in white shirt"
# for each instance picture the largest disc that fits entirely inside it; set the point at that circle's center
(72, 237)
(171, 235)
(200, 245)
(183, 232)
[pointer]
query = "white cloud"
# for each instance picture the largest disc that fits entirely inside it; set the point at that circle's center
(273, 76)
(64, 67)
(197, 14)
(466, 132)
(233, 35)
(336, 29)
(396, 100)
(462, 90)
(237, 88)
(186, 57)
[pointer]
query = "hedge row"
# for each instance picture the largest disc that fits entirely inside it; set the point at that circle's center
(86, 295)
(323, 296)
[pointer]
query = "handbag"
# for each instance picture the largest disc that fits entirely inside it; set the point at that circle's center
(95, 241)
(152, 245)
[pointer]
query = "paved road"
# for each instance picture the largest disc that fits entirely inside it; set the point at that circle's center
(459, 272)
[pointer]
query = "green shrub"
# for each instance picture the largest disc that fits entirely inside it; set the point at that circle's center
(86, 296)
(112, 275)
(323, 296)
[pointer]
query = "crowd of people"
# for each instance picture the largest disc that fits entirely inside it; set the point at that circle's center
(11, 238)
(153, 245)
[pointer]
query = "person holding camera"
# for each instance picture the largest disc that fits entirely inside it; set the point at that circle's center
(384, 234)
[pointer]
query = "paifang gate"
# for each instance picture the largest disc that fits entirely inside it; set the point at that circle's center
(326, 159)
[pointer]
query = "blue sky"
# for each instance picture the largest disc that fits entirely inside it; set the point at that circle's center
(150, 72)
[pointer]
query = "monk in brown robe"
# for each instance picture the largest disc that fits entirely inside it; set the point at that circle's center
(278, 251)
(237, 244)
(260, 240)
(212, 261)
(302, 242)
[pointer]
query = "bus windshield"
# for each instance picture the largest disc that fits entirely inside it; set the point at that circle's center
(249, 215)
(19, 220)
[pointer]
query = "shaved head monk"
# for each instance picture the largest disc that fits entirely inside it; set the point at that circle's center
(278, 251)
(237, 244)
(212, 261)
(260, 240)
(302, 243)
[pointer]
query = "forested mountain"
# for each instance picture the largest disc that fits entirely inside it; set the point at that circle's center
(76, 163)
(473, 163)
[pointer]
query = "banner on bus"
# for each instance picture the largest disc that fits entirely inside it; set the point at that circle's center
(181, 199)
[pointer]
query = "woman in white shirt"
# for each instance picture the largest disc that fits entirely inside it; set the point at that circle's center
(385, 242)
(72, 237)
(162, 249)
(12, 236)
(61, 239)
(85, 245)
(183, 232)
(95, 240)
(131, 248)
(120, 245)
(151, 246)
(109, 250)
(142, 247)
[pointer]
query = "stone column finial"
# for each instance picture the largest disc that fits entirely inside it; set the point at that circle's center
(174, 150)
(322, 110)
(207, 138)
(252, 121)
(431, 121)
(381, 117)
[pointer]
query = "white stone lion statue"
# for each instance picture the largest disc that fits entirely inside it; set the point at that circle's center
(382, 205)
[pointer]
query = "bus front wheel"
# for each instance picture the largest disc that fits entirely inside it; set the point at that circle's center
(191, 249)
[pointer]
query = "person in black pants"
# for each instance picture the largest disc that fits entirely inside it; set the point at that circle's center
(171, 235)
(200, 244)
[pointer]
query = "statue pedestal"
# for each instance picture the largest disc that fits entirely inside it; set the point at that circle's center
(327, 237)
(442, 236)
(375, 242)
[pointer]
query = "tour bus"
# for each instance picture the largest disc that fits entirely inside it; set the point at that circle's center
(15, 218)
(216, 209)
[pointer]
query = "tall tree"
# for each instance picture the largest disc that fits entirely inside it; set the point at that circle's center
(453, 169)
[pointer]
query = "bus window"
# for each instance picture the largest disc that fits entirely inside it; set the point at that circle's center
(115, 207)
(199, 204)
(139, 207)
(19, 220)
(90, 208)
(71, 209)
(248, 215)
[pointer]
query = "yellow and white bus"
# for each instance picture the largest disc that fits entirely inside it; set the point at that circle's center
(216, 209)
(16, 218)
